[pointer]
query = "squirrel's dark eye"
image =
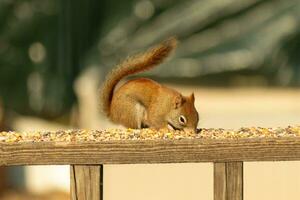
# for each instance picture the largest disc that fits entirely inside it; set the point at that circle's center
(182, 119)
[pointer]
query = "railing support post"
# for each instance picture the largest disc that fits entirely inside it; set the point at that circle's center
(86, 182)
(228, 181)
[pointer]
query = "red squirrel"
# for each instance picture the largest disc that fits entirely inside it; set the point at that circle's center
(144, 103)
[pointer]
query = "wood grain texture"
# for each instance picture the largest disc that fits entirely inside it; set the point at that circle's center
(86, 182)
(219, 181)
(228, 181)
(151, 151)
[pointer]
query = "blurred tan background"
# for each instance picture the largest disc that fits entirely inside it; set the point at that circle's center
(239, 57)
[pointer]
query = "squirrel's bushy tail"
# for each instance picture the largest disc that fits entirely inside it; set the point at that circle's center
(132, 65)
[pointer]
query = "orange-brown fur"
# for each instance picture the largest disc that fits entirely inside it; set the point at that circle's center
(143, 102)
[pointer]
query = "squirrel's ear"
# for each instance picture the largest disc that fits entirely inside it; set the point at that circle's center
(192, 97)
(178, 100)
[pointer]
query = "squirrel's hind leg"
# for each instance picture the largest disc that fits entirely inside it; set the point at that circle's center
(141, 116)
(128, 112)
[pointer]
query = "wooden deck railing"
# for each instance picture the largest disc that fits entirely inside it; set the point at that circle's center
(87, 158)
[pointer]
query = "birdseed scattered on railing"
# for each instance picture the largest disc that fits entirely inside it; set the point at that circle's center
(146, 134)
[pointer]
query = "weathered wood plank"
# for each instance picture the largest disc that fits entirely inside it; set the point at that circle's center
(228, 181)
(150, 151)
(219, 181)
(86, 182)
(234, 180)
